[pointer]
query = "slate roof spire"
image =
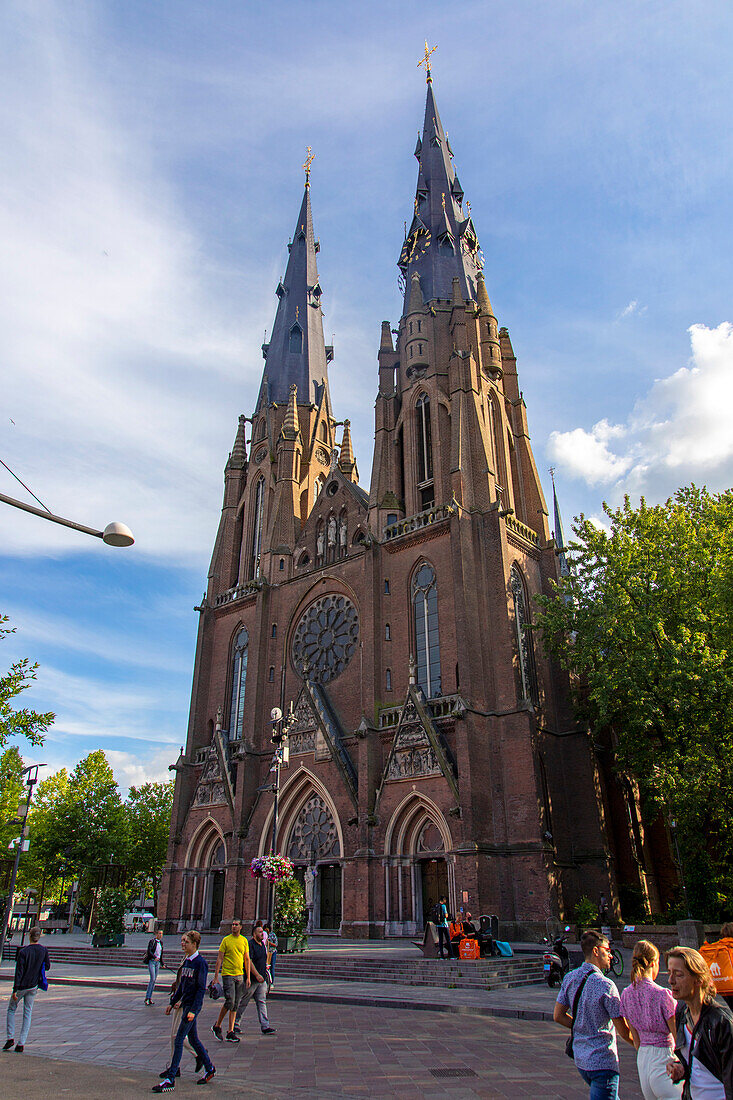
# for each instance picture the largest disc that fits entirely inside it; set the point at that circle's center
(296, 354)
(560, 547)
(441, 243)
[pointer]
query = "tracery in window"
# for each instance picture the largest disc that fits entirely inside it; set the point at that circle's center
(424, 440)
(239, 682)
(427, 638)
(525, 643)
(259, 515)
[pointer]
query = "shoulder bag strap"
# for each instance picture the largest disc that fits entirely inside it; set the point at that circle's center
(576, 998)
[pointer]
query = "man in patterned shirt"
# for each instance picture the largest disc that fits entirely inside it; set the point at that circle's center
(589, 1003)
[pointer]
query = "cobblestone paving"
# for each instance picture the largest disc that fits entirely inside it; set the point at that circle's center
(318, 1051)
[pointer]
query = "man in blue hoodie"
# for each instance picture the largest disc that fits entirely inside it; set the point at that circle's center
(190, 992)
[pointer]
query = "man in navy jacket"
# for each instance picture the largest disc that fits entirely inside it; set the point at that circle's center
(29, 963)
(190, 992)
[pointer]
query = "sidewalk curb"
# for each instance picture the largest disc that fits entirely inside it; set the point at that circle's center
(369, 1001)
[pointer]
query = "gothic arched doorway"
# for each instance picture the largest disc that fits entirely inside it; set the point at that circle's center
(418, 865)
(217, 880)
(313, 845)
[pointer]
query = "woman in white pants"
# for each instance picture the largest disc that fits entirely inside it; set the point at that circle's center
(649, 1010)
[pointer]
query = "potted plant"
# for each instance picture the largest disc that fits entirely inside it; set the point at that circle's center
(290, 915)
(109, 929)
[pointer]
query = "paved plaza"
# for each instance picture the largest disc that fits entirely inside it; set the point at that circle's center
(96, 1042)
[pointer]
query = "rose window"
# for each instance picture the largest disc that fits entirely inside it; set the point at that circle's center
(314, 833)
(326, 638)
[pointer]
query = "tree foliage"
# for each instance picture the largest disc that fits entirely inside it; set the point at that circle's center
(11, 790)
(24, 722)
(645, 621)
(111, 912)
(147, 821)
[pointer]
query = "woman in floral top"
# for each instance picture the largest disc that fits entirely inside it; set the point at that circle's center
(649, 1012)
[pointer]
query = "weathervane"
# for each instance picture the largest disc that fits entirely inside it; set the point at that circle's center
(307, 165)
(426, 62)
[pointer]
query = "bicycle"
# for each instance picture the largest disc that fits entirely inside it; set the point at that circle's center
(616, 965)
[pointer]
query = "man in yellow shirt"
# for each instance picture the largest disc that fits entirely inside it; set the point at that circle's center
(232, 963)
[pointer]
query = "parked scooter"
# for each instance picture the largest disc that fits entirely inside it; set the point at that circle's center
(557, 960)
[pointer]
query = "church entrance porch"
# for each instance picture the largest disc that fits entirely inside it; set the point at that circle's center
(329, 895)
(434, 881)
(217, 898)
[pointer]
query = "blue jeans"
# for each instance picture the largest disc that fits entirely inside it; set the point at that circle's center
(443, 934)
(603, 1083)
(153, 968)
(26, 996)
(258, 991)
(188, 1028)
(273, 960)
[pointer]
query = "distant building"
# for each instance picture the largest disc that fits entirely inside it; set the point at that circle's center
(434, 749)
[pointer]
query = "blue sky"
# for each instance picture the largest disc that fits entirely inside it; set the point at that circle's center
(151, 181)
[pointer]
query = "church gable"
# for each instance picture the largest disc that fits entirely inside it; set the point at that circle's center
(215, 786)
(418, 750)
(318, 730)
(336, 525)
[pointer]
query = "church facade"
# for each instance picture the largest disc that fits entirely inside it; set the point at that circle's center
(433, 748)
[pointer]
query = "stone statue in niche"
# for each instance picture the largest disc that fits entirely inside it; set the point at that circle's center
(319, 543)
(342, 536)
(331, 532)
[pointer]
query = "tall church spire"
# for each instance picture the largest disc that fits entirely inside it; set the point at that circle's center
(560, 547)
(296, 353)
(441, 243)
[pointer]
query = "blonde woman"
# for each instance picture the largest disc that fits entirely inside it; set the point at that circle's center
(649, 1010)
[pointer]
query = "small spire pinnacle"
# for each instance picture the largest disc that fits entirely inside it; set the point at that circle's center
(309, 158)
(291, 424)
(425, 60)
(238, 457)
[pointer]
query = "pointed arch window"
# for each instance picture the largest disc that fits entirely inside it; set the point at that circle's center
(424, 451)
(296, 340)
(239, 682)
(525, 643)
(259, 515)
(427, 637)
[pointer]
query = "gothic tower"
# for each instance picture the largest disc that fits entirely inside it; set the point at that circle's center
(433, 748)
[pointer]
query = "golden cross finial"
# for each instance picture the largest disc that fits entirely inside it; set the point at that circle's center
(426, 62)
(443, 194)
(307, 165)
(297, 308)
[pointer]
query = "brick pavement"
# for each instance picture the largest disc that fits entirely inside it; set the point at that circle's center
(109, 1042)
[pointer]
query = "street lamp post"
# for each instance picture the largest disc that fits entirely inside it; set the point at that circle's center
(23, 843)
(281, 758)
(114, 534)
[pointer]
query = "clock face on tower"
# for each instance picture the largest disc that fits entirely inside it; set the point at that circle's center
(325, 638)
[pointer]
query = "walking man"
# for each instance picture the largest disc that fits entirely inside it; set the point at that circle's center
(154, 959)
(258, 987)
(589, 1005)
(30, 964)
(233, 964)
(190, 993)
(704, 1048)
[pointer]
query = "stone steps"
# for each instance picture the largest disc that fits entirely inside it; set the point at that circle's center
(499, 973)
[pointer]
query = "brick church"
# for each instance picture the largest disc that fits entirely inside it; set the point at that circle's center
(433, 749)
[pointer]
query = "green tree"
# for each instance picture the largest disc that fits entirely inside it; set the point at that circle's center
(645, 621)
(11, 789)
(25, 722)
(147, 822)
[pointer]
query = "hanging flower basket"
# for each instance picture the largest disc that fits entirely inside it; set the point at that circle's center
(273, 868)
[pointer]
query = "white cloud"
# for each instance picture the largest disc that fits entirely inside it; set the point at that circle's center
(677, 433)
(118, 363)
(132, 770)
(119, 647)
(588, 454)
(632, 308)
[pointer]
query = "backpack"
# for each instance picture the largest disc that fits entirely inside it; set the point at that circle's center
(719, 957)
(436, 913)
